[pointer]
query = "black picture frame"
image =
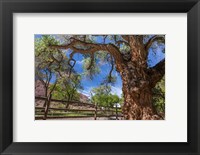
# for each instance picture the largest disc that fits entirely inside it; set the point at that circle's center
(8, 7)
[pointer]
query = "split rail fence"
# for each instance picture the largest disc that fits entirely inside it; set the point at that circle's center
(88, 111)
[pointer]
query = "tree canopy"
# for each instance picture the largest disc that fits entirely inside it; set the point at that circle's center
(129, 56)
(103, 97)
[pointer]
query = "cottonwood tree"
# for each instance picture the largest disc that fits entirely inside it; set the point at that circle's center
(67, 88)
(103, 97)
(50, 64)
(129, 55)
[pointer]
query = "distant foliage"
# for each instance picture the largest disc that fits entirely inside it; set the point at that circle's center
(103, 96)
(52, 69)
(159, 96)
(67, 88)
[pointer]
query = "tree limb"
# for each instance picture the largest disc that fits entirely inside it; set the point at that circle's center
(53, 87)
(126, 38)
(157, 72)
(71, 59)
(91, 62)
(49, 79)
(152, 40)
(59, 63)
(111, 70)
(92, 48)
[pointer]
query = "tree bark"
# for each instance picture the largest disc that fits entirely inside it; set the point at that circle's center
(137, 96)
(47, 107)
(137, 84)
(46, 95)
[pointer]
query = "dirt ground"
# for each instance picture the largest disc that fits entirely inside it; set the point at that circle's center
(88, 118)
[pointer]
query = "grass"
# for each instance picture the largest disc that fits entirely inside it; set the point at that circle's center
(58, 113)
(66, 114)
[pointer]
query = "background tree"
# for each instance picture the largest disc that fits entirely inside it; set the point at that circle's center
(67, 88)
(129, 55)
(159, 97)
(103, 97)
(50, 63)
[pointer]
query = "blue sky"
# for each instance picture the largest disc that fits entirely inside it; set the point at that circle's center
(88, 84)
(155, 55)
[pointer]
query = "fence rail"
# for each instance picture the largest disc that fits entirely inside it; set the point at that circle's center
(65, 101)
(95, 113)
(63, 117)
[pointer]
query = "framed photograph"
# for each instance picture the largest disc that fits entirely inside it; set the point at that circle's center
(99, 77)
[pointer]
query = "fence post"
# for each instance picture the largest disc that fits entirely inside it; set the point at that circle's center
(95, 112)
(116, 113)
(47, 107)
(67, 105)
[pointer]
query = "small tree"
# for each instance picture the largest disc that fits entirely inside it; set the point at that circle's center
(49, 63)
(103, 96)
(67, 88)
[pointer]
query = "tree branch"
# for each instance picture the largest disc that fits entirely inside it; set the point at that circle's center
(53, 87)
(71, 59)
(152, 40)
(92, 48)
(92, 61)
(111, 70)
(74, 62)
(59, 63)
(49, 79)
(157, 72)
(126, 38)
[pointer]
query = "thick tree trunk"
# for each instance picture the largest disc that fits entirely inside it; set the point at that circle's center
(137, 96)
(137, 84)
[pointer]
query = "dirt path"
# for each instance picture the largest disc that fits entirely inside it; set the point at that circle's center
(88, 118)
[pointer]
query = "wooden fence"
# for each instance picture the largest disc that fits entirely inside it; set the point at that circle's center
(95, 112)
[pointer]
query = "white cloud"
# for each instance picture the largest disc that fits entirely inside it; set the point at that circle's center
(116, 90)
(80, 62)
(86, 92)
